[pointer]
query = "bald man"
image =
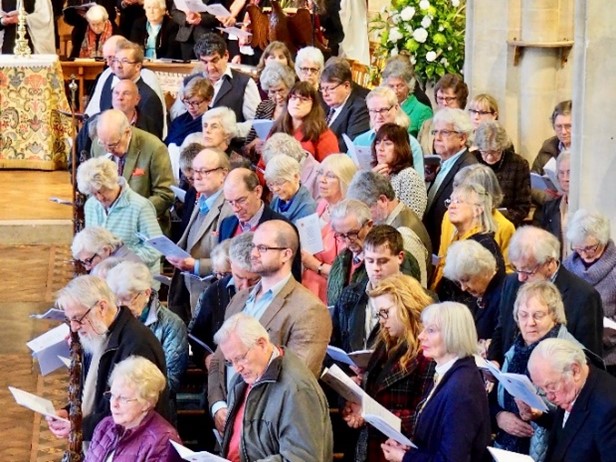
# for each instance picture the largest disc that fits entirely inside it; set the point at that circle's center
(142, 160)
(293, 316)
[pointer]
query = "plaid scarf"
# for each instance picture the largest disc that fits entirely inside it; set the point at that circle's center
(92, 45)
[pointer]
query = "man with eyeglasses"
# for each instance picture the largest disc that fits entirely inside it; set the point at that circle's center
(108, 334)
(346, 110)
(210, 168)
(277, 409)
(534, 254)
(293, 316)
(142, 160)
(451, 129)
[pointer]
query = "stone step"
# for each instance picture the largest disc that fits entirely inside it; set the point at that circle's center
(33, 232)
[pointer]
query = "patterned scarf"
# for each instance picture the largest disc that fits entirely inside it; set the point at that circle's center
(92, 45)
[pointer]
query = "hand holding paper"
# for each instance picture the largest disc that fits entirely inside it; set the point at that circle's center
(35, 403)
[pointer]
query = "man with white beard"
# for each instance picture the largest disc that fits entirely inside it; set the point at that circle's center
(108, 334)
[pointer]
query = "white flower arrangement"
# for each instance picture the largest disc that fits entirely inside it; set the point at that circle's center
(431, 31)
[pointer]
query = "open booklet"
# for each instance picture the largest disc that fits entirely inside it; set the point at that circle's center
(372, 412)
(262, 126)
(361, 155)
(549, 180)
(309, 229)
(357, 358)
(53, 314)
(500, 455)
(48, 347)
(35, 403)
(517, 385)
(202, 456)
(164, 245)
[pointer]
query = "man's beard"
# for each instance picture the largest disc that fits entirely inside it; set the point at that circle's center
(95, 341)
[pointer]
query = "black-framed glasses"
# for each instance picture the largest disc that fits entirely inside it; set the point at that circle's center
(300, 98)
(350, 236)
(325, 90)
(193, 103)
(383, 110)
(80, 321)
(87, 262)
(589, 249)
(383, 313)
(444, 133)
(262, 248)
(479, 112)
(122, 399)
(446, 99)
(310, 70)
(527, 273)
(204, 172)
(123, 61)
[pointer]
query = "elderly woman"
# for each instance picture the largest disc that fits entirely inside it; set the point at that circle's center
(98, 30)
(275, 52)
(281, 143)
(304, 119)
(117, 208)
(291, 199)
(473, 267)
(156, 31)
(309, 64)
(594, 260)
(132, 285)
(335, 174)
(219, 128)
(391, 157)
(185, 208)
(451, 424)
(383, 108)
(398, 374)
(512, 171)
(93, 245)
(399, 75)
(134, 431)
(539, 313)
(554, 146)
(276, 80)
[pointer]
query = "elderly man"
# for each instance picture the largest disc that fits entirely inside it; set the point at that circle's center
(108, 334)
(376, 192)
(232, 89)
(346, 111)
(277, 410)
(451, 129)
(210, 169)
(293, 316)
(534, 254)
(94, 244)
(583, 428)
(142, 159)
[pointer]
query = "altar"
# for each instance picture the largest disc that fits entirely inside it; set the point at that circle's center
(33, 135)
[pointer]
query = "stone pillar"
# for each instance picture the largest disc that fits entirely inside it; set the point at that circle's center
(593, 162)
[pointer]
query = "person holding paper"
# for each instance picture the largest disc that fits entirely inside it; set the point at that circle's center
(192, 27)
(134, 432)
(583, 427)
(594, 260)
(398, 374)
(156, 32)
(552, 147)
(453, 420)
(336, 172)
(290, 199)
(95, 244)
(277, 410)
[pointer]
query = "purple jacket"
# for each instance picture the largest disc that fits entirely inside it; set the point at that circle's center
(147, 442)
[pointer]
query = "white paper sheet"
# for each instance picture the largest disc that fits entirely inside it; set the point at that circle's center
(361, 155)
(541, 182)
(167, 247)
(193, 456)
(215, 9)
(383, 420)
(54, 314)
(519, 386)
(262, 127)
(49, 338)
(607, 322)
(500, 455)
(203, 345)
(65, 361)
(35, 403)
(309, 229)
(179, 193)
(342, 384)
(237, 32)
(162, 279)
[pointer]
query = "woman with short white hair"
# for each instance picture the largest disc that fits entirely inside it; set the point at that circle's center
(131, 283)
(594, 260)
(156, 32)
(219, 128)
(93, 245)
(309, 64)
(98, 30)
(134, 431)
(291, 199)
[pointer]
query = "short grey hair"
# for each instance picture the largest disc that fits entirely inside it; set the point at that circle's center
(350, 207)
(188, 154)
(240, 249)
(96, 13)
(128, 278)
(547, 294)
(456, 117)
(535, 243)
(281, 143)
(561, 355)
(226, 117)
(282, 168)
(401, 68)
(248, 329)
(93, 240)
(86, 291)
(276, 73)
(309, 54)
(491, 136)
(220, 256)
(96, 174)
(482, 199)
(585, 224)
(483, 175)
(457, 327)
(143, 374)
(468, 259)
(105, 266)
(367, 186)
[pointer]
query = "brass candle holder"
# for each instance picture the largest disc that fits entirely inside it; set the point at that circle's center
(21, 43)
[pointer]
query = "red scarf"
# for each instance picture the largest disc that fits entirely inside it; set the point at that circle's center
(89, 47)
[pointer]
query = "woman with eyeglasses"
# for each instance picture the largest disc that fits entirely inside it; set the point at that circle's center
(594, 260)
(398, 374)
(335, 175)
(291, 199)
(309, 64)
(453, 419)
(134, 431)
(482, 108)
(156, 32)
(275, 52)
(304, 119)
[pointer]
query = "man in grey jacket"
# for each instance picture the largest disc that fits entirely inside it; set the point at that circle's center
(277, 410)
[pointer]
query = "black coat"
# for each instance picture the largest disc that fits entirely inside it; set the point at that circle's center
(166, 45)
(548, 218)
(583, 309)
(353, 120)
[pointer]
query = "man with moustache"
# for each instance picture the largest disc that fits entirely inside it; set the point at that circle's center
(108, 334)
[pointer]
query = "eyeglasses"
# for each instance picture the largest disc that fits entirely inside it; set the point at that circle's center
(328, 175)
(591, 249)
(239, 360)
(383, 110)
(443, 133)
(122, 399)
(456, 201)
(276, 184)
(562, 127)
(300, 98)
(527, 273)
(262, 248)
(204, 172)
(87, 262)
(193, 103)
(109, 145)
(123, 61)
(310, 70)
(81, 320)
(537, 316)
(350, 236)
(491, 153)
(123, 302)
(238, 202)
(383, 313)
(478, 112)
(446, 99)
(326, 90)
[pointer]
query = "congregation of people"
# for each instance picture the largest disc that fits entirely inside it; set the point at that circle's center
(437, 256)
